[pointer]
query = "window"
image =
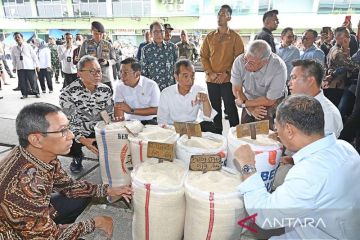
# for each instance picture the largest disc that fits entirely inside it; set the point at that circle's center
(17, 8)
(51, 8)
(131, 8)
(89, 8)
(339, 6)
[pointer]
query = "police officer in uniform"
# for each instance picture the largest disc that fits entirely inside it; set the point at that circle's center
(101, 49)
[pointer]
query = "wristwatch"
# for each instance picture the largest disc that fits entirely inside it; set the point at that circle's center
(132, 110)
(247, 169)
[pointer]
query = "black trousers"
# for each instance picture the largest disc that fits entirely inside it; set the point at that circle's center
(76, 148)
(207, 126)
(223, 91)
(27, 82)
(7, 68)
(45, 75)
(68, 208)
(69, 78)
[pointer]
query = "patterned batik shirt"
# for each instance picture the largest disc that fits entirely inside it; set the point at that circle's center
(26, 184)
(158, 63)
(83, 107)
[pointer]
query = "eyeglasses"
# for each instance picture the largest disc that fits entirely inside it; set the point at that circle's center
(92, 71)
(126, 73)
(64, 132)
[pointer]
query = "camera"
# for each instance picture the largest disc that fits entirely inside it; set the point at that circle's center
(60, 41)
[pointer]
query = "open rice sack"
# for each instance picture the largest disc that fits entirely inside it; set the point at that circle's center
(154, 133)
(158, 200)
(209, 143)
(267, 154)
(213, 205)
(114, 152)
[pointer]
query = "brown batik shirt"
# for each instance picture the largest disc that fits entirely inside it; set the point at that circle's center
(25, 187)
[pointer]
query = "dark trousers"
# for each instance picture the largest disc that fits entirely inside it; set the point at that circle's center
(223, 91)
(69, 78)
(44, 74)
(149, 122)
(116, 69)
(68, 208)
(6, 66)
(27, 82)
(207, 126)
(76, 148)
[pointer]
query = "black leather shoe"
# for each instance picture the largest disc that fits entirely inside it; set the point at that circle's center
(16, 89)
(76, 166)
(37, 95)
(23, 97)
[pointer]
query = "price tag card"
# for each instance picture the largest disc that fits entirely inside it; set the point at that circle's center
(105, 116)
(205, 163)
(261, 127)
(161, 150)
(191, 129)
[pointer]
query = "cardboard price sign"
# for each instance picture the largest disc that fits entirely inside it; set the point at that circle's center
(251, 129)
(105, 116)
(191, 129)
(205, 163)
(161, 150)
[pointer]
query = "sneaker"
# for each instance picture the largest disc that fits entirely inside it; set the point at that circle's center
(37, 95)
(23, 97)
(50, 91)
(76, 166)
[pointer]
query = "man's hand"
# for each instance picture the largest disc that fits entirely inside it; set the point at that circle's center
(326, 81)
(123, 106)
(105, 224)
(37, 69)
(103, 61)
(258, 113)
(88, 143)
(212, 76)
(14, 70)
(287, 160)
(244, 156)
(125, 192)
(221, 77)
(201, 97)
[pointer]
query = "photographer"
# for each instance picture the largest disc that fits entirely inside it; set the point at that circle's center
(66, 52)
(101, 49)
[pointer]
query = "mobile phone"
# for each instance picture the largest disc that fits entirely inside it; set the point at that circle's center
(347, 19)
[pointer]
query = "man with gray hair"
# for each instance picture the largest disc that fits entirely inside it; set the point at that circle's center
(319, 187)
(82, 101)
(259, 82)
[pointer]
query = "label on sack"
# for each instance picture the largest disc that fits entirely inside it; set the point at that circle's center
(105, 116)
(164, 151)
(261, 127)
(205, 163)
(191, 129)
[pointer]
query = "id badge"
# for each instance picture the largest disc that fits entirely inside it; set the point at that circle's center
(68, 59)
(21, 58)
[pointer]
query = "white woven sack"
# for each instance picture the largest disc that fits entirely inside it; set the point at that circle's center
(114, 152)
(267, 157)
(154, 133)
(184, 151)
(158, 200)
(214, 208)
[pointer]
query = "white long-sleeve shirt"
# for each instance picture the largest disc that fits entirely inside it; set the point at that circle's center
(321, 187)
(30, 60)
(333, 121)
(66, 58)
(44, 56)
(174, 107)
